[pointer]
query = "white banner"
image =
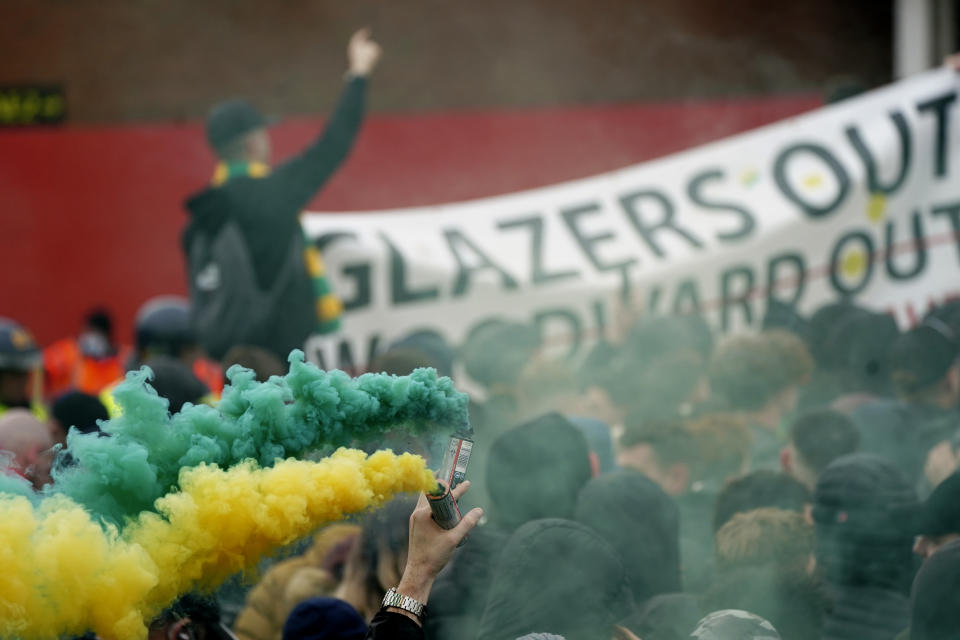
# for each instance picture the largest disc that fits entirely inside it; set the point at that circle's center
(858, 200)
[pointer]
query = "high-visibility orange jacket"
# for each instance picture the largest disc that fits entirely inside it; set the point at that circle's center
(66, 367)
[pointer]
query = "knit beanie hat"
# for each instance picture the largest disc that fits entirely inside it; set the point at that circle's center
(324, 619)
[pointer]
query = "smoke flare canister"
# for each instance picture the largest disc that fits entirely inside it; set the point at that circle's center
(445, 510)
(453, 469)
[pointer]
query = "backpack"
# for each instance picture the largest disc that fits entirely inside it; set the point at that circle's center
(228, 307)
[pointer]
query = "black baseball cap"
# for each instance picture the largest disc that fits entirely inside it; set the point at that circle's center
(232, 119)
(940, 514)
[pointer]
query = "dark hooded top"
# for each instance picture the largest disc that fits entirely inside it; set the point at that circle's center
(903, 432)
(459, 594)
(642, 523)
(865, 511)
(536, 470)
(267, 211)
(935, 604)
(556, 576)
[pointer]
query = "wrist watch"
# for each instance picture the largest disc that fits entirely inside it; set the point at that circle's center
(399, 601)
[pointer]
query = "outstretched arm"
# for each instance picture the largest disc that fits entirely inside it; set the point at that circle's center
(299, 179)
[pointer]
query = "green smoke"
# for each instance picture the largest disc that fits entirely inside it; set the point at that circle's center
(122, 475)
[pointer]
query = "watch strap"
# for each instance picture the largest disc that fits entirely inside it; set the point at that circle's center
(397, 600)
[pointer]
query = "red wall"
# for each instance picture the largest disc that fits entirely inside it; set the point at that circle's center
(92, 215)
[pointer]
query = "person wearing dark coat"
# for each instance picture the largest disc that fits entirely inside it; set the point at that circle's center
(935, 603)
(864, 511)
(642, 523)
(535, 470)
(266, 202)
(556, 576)
(925, 372)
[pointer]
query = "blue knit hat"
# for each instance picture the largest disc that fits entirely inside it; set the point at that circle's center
(324, 619)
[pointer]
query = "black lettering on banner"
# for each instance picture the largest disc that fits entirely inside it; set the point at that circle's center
(325, 240)
(319, 358)
(919, 246)
(600, 317)
(747, 221)
(373, 348)
(345, 360)
(481, 324)
(399, 293)
(630, 205)
(571, 216)
(456, 240)
(653, 298)
(865, 260)
(572, 320)
(952, 211)
(874, 185)
(539, 273)
(587, 243)
(939, 106)
(796, 263)
(729, 299)
(780, 177)
(361, 274)
(687, 298)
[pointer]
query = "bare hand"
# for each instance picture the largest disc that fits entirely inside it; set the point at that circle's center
(952, 61)
(362, 53)
(431, 547)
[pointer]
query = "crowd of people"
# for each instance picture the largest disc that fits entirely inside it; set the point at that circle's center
(801, 480)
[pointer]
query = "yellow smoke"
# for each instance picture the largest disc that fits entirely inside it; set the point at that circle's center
(62, 573)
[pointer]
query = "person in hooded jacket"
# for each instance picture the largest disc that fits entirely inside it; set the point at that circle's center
(925, 371)
(535, 470)
(935, 602)
(266, 202)
(641, 523)
(556, 576)
(864, 510)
